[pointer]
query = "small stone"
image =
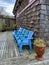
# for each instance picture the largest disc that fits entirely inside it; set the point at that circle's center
(31, 57)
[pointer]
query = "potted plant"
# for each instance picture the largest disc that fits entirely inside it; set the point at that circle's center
(14, 27)
(3, 27)
(39, 46)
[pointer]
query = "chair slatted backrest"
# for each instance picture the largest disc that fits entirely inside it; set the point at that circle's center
(23, 33)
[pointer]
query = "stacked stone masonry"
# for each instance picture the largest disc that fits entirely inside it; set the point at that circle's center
(36, 18)
(44, 22)
(30, 17)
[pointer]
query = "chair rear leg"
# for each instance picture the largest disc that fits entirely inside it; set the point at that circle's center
(30, 47)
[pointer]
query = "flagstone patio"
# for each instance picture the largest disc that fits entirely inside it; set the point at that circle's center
(9, 54)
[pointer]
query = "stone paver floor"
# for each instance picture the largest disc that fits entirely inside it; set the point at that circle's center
(9, 54)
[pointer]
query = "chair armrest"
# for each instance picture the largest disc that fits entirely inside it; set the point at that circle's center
(30, 38)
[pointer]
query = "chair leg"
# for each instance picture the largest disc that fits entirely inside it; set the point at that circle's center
(20, 48)
(30, 47)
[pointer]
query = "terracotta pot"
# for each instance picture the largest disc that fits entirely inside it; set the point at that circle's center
(39, 51)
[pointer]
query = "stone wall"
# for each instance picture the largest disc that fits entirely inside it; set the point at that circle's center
(29, 18)
(44, 22)
(23, 5)
(0, 23)
(9, 23)
(36, 18)
(12, 22)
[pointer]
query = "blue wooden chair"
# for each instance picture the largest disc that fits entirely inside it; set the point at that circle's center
(23, 37)
(26, 41)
